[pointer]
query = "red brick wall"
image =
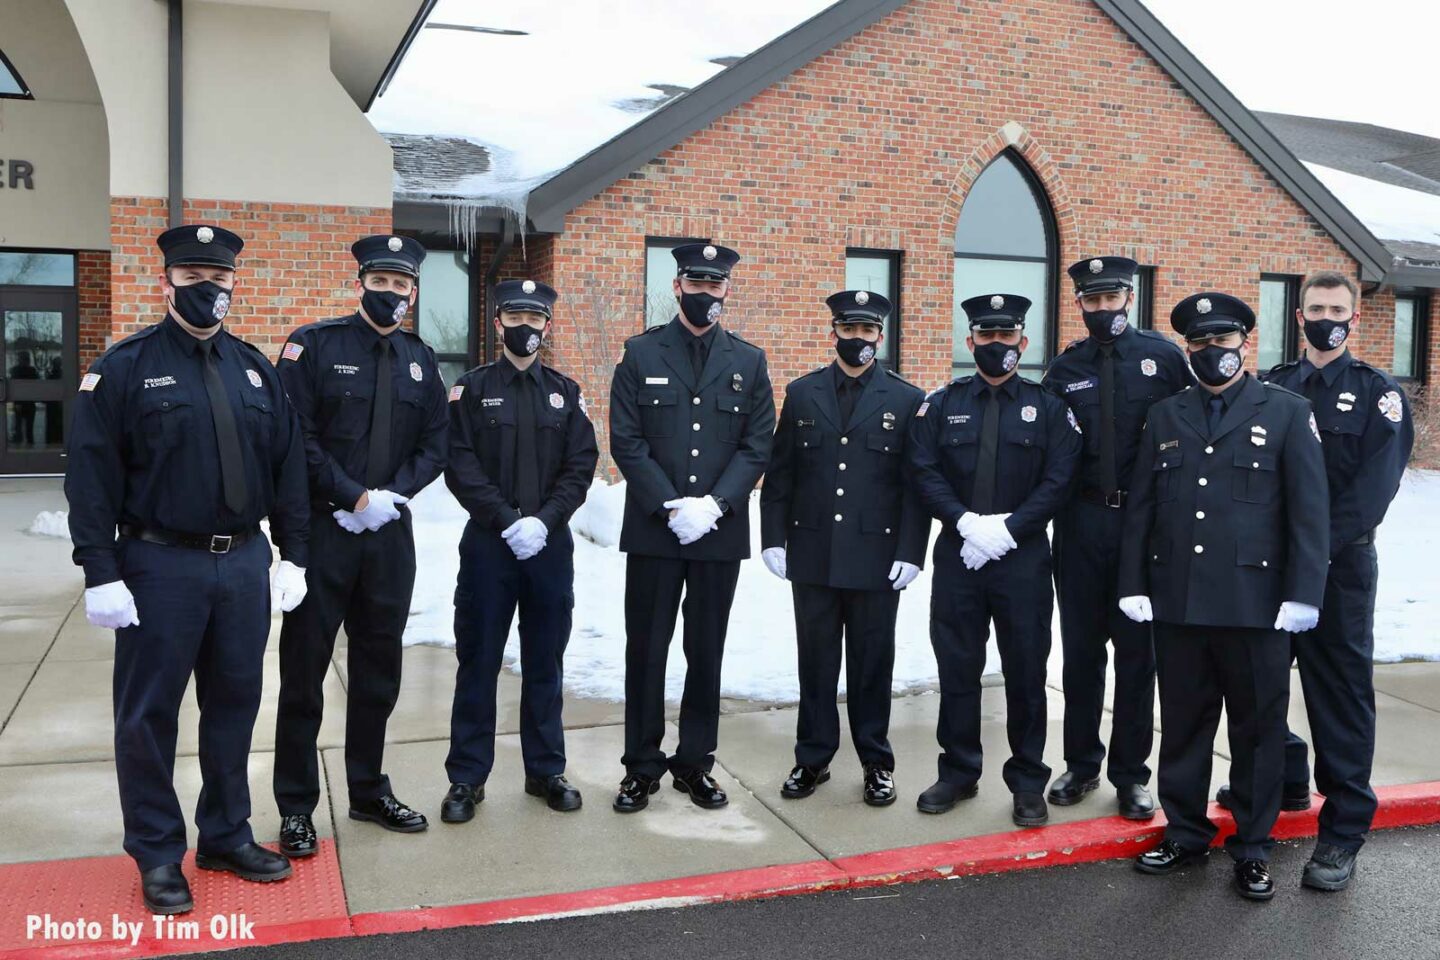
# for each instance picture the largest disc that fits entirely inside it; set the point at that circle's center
(93, 288)
(296, 266)
(876, 143)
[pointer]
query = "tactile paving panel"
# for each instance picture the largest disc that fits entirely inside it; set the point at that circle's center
(310, 903)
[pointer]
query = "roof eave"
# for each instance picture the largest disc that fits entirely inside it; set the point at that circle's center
(398, 56)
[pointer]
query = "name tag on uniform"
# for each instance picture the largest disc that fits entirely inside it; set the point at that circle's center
(657, 381)
(1079, 385)
(491, 401)
(805, 423)
(1169, 444)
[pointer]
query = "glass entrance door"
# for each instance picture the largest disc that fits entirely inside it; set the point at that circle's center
(38, 330)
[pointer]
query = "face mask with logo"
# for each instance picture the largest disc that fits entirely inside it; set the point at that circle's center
(854, 351)
(524, 339)
(1216, 365)
(202, 304)
(1327, 334)
(996, 359)
(385, 308)
(701, 309)
(1105, 325)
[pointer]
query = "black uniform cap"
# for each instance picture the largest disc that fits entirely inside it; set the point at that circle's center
(858, 306)
(996, 311)
(203, 244)
(1209, 314)
(1103, 274)
(525, 295)
(388, 252)
(704, 261)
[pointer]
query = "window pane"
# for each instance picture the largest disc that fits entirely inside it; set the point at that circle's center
(660, 303)
(1272, 319)
(35, 426)
(37, 269)
(444, 321)
(974, 277)
(1404, 362)
(1000, 215)
(33, 344)
(873, 274)
(9, 82)
(1139, 318)
(451, 370)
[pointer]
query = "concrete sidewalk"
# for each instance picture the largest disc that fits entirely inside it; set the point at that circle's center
(56, 757)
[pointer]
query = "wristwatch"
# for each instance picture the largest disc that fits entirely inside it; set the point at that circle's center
(722, 503)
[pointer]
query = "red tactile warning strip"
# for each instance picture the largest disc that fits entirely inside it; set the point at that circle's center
(311, 905)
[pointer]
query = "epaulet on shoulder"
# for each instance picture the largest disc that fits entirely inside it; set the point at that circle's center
(138, 336)
(741, 339)
(325, 324)
(816, 372)
(1285, 390)
(892, 373)
(1281, 366)
(1073, 344)
(563, 378)
(1033, 383)
(1154, 335)
(646, 332)
(252, 348)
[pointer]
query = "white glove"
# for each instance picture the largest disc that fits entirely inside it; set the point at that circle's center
(111, 605)
(348, 521)
(902, 573)
(526, 537)
(989, 533)
(972, 556)
(380, 509)
(1137, 609)
(1296, 617)
(287, 587)
(774, 558)
(694, 518)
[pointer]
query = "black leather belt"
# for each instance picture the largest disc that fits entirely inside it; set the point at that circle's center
(212, 543)
(1362, 540)
(1095, 495)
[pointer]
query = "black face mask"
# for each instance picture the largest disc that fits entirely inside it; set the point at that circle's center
(385, 308)
(996, 359)
(701, 309)
(524, 339)
(202, 304)
(1216, 365)
(1327, 334)
(854, 351)
(1105, 325)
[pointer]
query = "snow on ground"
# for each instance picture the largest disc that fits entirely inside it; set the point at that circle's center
(1407, 610)
(1391, 212)
(51, 523)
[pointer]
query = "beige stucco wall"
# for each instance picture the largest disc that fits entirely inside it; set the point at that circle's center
(61, 133)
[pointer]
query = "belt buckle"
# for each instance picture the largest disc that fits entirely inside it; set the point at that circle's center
(1119, 500)
(217, 547)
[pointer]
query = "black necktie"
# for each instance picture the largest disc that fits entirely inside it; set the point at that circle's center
(982, 500)
(377, 467)
(1109, 482)
(232, 459)
(527, 469)
(1217, 410)
(849, 393)
(697, 356)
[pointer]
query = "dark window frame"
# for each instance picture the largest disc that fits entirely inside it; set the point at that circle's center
(666, 243)
(895, 335)
(25, 92)
(1419, 339)
(1145, 300)
(1290, 342)
(475, 296)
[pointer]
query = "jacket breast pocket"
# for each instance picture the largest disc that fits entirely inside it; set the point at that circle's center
(1167, 475)
(259, 418)
(167, 420)
(809, 440)
(1255, 477)
(731, 412)
(657, 411)
(347, 410)
(959, 446)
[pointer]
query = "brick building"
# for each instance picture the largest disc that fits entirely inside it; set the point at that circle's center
(930, 149)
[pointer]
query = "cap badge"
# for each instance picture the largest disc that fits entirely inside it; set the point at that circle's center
(204, 234)
(528, 286)
(996, 302)
(394, 243)
(1028, 414)
(709, 253)
(862, 298)
(1097, 266)
(1203, 305)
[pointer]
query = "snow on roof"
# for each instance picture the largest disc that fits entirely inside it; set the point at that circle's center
(537, 85)
(1390, 212)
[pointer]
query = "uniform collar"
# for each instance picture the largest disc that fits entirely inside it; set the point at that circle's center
(368, 334)
(1010, 387)
(191, 343)
(841, 376)
(1330, 372)
(509, 371)
(1121, 345)
(1230, 394)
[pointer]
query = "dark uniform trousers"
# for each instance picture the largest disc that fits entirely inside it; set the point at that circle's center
(1087, 552)
(867, 620)
(491, 584)
(202, 614)
(363, 582)
(1247, 669)
(1014, 591)
(653, 588)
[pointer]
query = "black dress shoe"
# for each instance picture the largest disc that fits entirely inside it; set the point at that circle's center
(249, 862)
(298, 837)
(879, 786)
(459, 803)
(1169, 857)
(1329, 868)
(165, 890)
(704, 791)
(557, 791)
(1135, 802)
(390, 813)
(1070, 788)
(1294, 797)
(941, 796)
(803, 780)
(1029, 810)
(1252, 880)
(635, 791)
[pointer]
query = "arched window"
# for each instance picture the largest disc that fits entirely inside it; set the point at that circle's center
(1005, 243)
(10, 83)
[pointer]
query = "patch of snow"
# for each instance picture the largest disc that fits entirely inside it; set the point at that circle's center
(51, 523)
(1391, 212)
(1407, 609)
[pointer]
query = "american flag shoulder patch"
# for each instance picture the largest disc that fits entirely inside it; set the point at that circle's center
(456, 392)
(292, 351)
(923, 407)
(89, 382)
